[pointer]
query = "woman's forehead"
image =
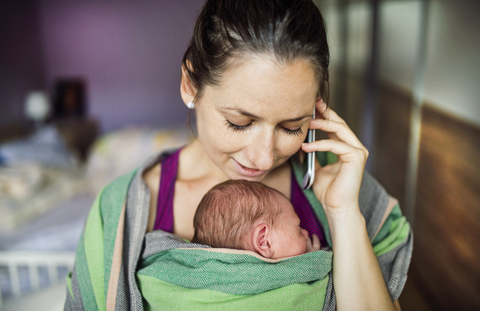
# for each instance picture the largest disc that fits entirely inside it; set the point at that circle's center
(263, 85)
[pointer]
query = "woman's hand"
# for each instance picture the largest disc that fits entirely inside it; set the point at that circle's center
(337, 185)
(359, 284)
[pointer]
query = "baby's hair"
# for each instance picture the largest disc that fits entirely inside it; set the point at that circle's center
(227, 213)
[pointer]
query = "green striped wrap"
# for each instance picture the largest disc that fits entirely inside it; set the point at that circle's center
(119, 267)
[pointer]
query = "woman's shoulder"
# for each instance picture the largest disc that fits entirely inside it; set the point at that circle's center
(375, 203)
(151, 176)
(148, 173)
(150, 170)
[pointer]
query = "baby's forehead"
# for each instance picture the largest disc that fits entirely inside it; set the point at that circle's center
(279, 198)
(277, 204)
(283, 202)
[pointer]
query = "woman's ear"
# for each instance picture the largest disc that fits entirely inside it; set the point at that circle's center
(187, 90)
(262, 240)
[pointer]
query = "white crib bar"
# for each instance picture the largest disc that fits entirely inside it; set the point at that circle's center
(14, 279)
(33, 274)
(52, 274)
(33, 260)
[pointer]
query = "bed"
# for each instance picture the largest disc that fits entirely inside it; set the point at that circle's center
(44, 207)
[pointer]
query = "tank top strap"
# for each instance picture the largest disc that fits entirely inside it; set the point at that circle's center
(166, 192)
(308, 219)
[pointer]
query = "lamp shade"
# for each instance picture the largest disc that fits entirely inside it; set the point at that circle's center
(37, 106)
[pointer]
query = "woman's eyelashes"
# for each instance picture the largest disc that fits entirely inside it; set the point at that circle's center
(241, 128)
(295, 132)
(238, 128)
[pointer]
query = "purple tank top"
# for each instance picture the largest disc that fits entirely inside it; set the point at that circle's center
(168, 177)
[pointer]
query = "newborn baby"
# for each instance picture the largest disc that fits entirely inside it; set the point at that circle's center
(251, 216)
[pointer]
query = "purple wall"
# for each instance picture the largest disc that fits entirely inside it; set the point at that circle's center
(129, 53)
(21, 60)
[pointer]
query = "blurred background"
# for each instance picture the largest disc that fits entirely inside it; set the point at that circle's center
(405, 77)
(80, 80)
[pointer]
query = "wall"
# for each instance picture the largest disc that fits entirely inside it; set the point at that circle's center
(452, 69)
(398, 37)
(444, 272)
(445, 261)
(129, 53)
(21, 60)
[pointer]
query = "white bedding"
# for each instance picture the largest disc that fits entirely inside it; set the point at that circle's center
(47, 207)
(28, 190)
(56, 230)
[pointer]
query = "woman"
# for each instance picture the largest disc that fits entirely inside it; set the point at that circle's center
(253, 73)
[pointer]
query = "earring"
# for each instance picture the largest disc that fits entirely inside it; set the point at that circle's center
(191, 105)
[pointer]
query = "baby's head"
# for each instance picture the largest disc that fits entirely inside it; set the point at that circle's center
(251, 216)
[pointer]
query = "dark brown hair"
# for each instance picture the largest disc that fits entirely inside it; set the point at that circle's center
(227, 213)
(288, 30)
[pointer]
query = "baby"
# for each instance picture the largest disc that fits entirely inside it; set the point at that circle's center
(251, 216)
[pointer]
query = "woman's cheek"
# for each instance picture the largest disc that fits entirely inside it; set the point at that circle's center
(288, 145)
(213, 132)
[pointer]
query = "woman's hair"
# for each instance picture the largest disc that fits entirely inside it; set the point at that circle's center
(287, 30)
(227, 213)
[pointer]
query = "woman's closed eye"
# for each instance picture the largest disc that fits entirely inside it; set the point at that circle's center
(241, 128)
(238, 128)
(295, 132)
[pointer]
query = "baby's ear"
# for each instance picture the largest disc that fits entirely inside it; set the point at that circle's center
(262, 240)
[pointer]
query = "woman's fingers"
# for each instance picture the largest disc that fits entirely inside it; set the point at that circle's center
(326, 113)
(341, 130)
(346, 152)
(335, 127)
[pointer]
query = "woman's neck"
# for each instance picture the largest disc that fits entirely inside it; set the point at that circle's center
(195, 164)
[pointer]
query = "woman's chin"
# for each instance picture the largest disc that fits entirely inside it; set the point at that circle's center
(245, 173)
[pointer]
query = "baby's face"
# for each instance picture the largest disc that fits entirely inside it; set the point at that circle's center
(289, 238)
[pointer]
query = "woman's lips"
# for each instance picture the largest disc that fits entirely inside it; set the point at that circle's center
(246, 171)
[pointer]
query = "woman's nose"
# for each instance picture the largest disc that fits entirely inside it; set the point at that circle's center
(263, 151)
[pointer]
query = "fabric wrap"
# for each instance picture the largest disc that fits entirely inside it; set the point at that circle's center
(119, 267)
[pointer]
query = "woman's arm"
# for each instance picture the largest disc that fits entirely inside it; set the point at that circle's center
(357, 278)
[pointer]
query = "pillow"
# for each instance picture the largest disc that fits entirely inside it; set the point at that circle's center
(119, 152)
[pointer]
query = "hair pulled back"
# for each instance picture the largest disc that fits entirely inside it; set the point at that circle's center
(288, 30)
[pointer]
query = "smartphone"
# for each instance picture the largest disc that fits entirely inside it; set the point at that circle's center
(309, 162)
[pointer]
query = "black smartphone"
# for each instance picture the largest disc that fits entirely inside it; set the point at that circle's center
(309, 162)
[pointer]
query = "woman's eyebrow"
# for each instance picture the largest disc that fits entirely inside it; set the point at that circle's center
(251, 115)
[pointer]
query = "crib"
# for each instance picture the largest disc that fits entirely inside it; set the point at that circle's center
(30, 279)
(37, 253)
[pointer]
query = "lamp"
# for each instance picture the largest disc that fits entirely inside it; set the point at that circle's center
(37, 107)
